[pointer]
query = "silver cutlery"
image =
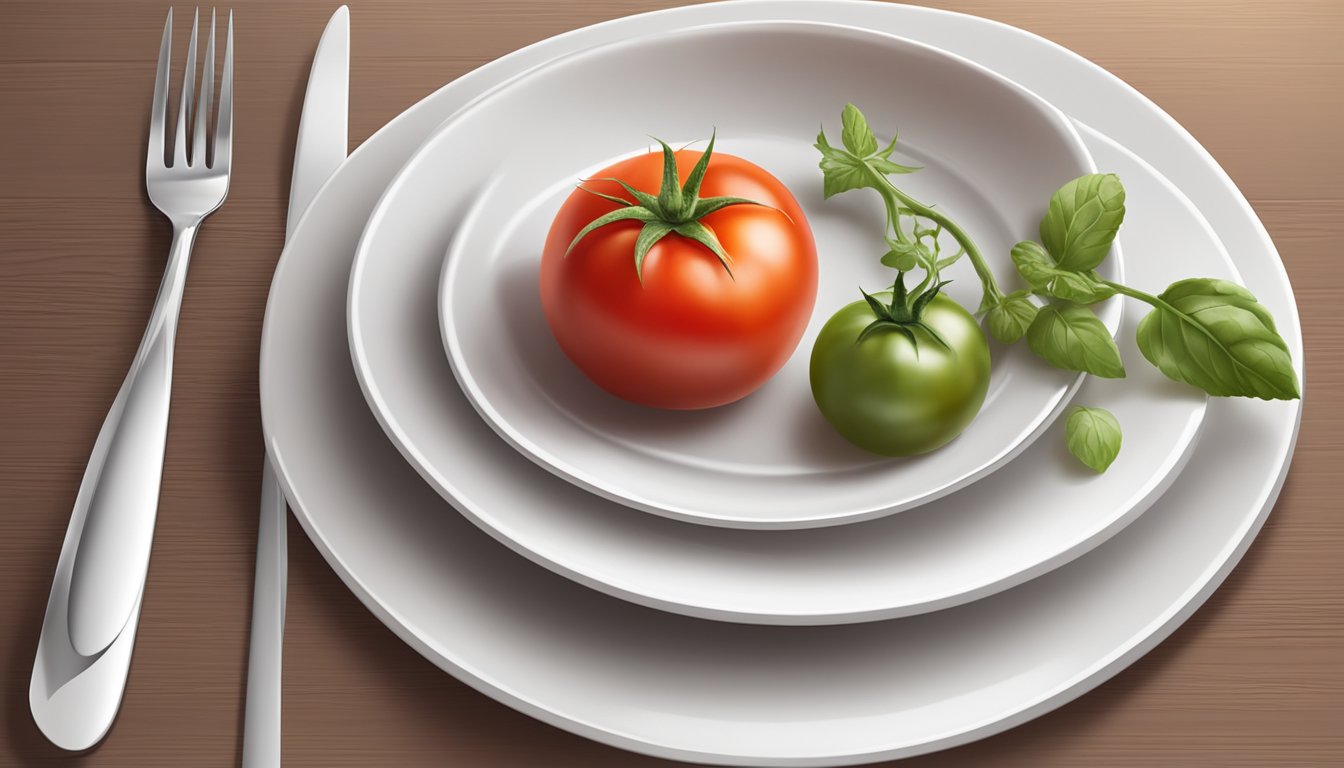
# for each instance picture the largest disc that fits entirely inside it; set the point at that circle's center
(320, 149)
(89, 629)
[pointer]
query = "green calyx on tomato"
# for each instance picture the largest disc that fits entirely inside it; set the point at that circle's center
(905, 312)
(676, 209)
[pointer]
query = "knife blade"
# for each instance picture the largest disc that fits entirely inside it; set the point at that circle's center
(319, 151)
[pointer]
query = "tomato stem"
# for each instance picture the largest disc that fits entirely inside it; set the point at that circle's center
(895, 199)
(676, 209)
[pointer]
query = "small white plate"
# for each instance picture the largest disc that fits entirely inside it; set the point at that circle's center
(724, 693)
(770, 460)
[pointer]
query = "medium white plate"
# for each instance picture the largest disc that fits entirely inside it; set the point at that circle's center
(1034, 514)
(770, 460)
(717, 692)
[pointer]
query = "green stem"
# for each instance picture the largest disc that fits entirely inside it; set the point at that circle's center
(1134, 293)
(992, 294)
(894, 218)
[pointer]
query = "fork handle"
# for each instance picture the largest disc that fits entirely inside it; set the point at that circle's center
(120, 489)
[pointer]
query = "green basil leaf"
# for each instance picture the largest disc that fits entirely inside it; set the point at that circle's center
(1040, 272)
(1093, 436)
(1033, 264)
(1079, 287)
(840, 170)
(859, 164)
(905, 255)
(855, 133)
(1069, 336)
(1214, 335)
(1009, 320)
(1082, 220)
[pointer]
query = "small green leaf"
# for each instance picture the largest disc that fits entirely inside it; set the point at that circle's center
(1214, 335)
(1040, 272)
(936, 336)
(1093, 436)
(882, 160)
(1081, 222)
(886, 151)
(623, 214)
(669, 194)
(643, 199)
(1009, 320)
(899, 295)
(706, 237)
(840, 170)
(887, 325)
(1033, 264)
(648, 236)
(690, 192)
(708, 205)
(855, 133)
(884, 165)
(610, 198)
(905, 255)
(1069, 336)
(859, 164)
(922, 301)
(880, 311)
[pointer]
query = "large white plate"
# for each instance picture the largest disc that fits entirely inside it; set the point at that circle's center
(770, 460)
(719, 692)
(1034, 514)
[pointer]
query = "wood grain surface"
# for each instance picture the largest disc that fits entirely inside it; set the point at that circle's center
(1254, 679)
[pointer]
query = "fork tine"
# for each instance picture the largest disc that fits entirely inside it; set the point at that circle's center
(158, 113)
(224, 123)
(207, 92)
(188, 96)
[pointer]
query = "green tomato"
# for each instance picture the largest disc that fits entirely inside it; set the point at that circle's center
(896, 398)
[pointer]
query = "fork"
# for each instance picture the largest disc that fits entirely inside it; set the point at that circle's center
(120, 490)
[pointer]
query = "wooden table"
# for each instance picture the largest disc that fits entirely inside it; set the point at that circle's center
(1254, 679)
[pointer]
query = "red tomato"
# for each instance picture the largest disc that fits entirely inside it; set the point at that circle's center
(692, 335)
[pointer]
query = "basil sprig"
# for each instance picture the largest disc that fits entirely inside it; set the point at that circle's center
(1205, 332)
(915, 227)
(1208, 333)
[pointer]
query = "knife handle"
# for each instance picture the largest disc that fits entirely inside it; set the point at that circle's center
(261, 723)
(120, 489)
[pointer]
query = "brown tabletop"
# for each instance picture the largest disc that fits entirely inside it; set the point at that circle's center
(1255, 678)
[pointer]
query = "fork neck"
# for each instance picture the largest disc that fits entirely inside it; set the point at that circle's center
(169, 299)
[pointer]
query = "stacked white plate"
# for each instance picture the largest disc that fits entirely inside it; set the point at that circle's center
(738, 586)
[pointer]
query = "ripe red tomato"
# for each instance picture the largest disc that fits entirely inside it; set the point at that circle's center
(692, 334)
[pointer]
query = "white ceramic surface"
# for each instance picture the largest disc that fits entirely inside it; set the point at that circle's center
(1033, 514)
(717, 692)
(769, 460)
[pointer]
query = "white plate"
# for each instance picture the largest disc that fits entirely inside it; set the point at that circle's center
(717, 692)
(1034, 514)
(770, 460)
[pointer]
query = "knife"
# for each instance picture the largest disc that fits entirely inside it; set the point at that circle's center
(321, 147)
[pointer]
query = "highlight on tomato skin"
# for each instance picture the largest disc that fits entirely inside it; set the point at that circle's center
(710, 310)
